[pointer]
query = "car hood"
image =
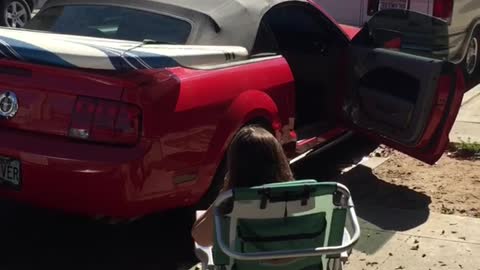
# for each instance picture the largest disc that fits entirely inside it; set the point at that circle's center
(71, 51)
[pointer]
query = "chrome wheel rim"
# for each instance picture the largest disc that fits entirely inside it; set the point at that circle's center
(472, 56)
(16, 15)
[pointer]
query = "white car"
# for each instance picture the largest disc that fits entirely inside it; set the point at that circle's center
(463, 17)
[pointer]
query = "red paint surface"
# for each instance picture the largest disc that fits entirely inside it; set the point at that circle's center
(395, 43)
(350, 31)
(188, 118)
(436, 136)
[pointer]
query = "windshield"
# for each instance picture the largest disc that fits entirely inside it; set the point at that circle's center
(111, 22)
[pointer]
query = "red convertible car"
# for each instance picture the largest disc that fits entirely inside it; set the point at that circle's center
(124, 108)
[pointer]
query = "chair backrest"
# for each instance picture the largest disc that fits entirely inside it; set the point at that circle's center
(288, 217)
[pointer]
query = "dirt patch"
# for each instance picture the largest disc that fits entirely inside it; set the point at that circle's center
(452, 184)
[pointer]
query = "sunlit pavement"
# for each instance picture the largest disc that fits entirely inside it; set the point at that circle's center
(467, 126)
(409, 238)
(402, 239)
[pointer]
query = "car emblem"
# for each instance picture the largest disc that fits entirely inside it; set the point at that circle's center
(8, 104)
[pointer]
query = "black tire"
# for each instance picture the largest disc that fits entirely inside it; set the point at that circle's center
(14, 13)
(471, 63)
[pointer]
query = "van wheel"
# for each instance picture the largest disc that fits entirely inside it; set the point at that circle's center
(14, 13)
(472, 61)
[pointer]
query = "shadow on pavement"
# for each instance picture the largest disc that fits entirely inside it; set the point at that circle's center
(369, 192)
(374, 198)
(366, 188)
(383, 208)
(35, 239)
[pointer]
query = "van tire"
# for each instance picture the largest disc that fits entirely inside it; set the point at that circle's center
(21, 6)
(471, 63)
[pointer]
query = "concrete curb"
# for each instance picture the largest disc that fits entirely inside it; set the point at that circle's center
(470, 95)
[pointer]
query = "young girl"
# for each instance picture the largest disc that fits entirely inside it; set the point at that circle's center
(254, 158)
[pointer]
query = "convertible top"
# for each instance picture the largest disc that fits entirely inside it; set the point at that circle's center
(223, 31)
(215, 22)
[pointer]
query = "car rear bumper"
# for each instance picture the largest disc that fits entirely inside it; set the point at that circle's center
(75, 177)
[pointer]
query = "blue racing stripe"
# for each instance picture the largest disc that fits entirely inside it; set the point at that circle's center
(130, 60)
(117, 61)
(31, 53)
(156, 60)
(6, 53)
(115, 58)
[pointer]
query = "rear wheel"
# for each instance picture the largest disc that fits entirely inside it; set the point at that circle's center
(215, 187)
(471, 62)
(14, 13)
(219, 178)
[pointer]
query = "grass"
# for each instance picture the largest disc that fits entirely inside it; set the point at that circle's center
(466, 149)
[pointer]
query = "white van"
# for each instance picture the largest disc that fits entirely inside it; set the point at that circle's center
(463, 17)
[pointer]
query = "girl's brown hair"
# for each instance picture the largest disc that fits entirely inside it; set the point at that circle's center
(254, 158)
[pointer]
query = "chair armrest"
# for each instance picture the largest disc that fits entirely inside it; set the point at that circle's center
(204, 254)
(199, 213)
(346, 238)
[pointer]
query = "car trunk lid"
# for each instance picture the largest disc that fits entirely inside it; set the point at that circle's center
(46, 96)
(70, 51)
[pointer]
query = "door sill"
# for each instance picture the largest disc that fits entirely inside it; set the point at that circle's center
(322, 147)
(306, 132)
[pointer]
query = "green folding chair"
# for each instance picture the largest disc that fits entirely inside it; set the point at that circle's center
(300, 225)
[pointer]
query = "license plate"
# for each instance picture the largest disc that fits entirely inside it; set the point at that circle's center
(10, 172)
(392, 4)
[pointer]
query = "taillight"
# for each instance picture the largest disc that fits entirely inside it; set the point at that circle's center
(105, 121)
(443, 9)
(372, 7)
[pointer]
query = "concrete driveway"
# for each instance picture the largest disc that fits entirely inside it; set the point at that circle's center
(441, 242)
(467, 126)
(412, 238)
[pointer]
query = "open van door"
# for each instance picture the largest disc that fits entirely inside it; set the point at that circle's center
(404, 93)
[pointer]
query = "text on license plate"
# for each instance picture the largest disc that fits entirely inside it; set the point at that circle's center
(392, 4)
(10, 173)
